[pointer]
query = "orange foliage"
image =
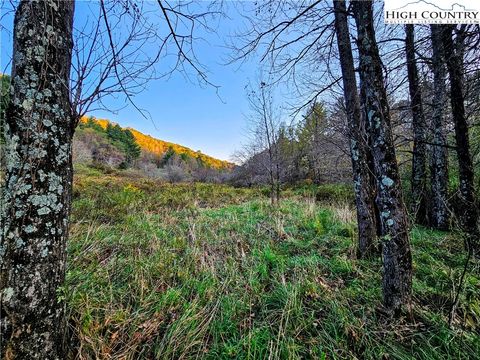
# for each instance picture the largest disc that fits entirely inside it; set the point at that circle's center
(158, 147)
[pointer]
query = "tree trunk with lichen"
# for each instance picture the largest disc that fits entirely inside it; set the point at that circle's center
(37, 192)
(419, 160)
(455, 65)
(439, 218)
(364, 196)
(396, 254)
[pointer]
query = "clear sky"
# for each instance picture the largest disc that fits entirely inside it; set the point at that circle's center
(181, 111)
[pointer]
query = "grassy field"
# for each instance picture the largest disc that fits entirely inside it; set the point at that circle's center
(160, 271)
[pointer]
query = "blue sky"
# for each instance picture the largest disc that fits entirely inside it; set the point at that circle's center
(181, 111)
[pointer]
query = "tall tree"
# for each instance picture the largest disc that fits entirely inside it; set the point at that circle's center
(266, 130)
(310, 133)
(36, 198)
(419, 161)
(46, 105)
(364, 195)
(131, 148)
(396, 254)
(454, 53)
(439, 218)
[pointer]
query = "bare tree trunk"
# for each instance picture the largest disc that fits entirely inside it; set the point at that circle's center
(277, 176)
(364, 196)
(419, 161)
(371, 165)
(271, 166)
(277, 160)
(36, 199)
(397, 260)
(455, 65)
(271, 142)
(439, 159)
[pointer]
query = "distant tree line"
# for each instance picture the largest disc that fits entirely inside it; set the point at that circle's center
(313, 150)
(109, 146)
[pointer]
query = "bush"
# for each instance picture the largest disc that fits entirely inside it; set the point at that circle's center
(334, 193)
(175, 174)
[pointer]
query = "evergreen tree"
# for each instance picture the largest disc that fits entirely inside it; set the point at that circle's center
(92, 124)
(130, 146)
(167, 156)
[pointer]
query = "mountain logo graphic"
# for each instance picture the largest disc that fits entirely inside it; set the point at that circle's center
(452, 8)
(427, 12)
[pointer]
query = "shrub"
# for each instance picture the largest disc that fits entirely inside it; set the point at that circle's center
(332, 193)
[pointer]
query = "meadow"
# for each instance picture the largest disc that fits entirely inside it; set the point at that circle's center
(208, 271)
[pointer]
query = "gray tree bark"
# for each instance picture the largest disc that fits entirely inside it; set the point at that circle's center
(396, 254)
(36, 198)
(439, 218)
(468, 209)
(364, 195)
(419, 161)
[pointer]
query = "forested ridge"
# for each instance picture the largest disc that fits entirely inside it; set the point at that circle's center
(155, 146)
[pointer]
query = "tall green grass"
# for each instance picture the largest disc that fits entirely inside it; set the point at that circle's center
(195, 271)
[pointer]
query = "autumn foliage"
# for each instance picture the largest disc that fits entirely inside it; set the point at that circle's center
(155, 146)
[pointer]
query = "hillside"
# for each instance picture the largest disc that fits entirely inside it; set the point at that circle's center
(159, 147)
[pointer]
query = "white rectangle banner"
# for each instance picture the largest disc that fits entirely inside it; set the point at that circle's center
(432, 12)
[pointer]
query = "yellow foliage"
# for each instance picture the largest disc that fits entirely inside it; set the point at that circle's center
(131, 188)
(158, 147)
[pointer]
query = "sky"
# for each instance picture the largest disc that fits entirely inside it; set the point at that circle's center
(200, 117)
